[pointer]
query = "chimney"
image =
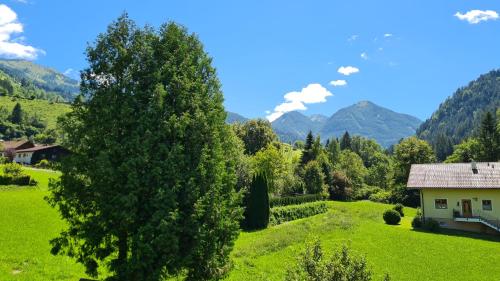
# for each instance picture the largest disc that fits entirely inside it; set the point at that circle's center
(474, 167)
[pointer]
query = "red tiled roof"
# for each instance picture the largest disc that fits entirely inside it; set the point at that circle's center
(458, 175)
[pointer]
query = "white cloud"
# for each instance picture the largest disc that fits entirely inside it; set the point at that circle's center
(387, 35)
(14, 47)
(364, 55)
(312, 93)
(347, 70)
(338, 83)
(352, 38)
(477, 16)
(71, 73)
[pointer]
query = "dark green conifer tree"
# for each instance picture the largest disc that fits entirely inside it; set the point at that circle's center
(345, 142)
(488, 138)
(257, 204)
(17, 114)
(149, 189)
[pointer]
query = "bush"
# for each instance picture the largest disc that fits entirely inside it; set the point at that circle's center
(399, 208)
(292, 212)
(391, 217)
(256, 215)
(20, 180)
(294, 200)
(431, 225)
(4, 160)
(416, 222)
(365, 192)
(314, 265)
(43, 164)
(13, 170)
(382, 196)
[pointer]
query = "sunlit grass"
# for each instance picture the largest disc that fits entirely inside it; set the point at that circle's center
(27, 223)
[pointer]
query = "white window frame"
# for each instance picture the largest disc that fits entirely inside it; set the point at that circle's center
(436, 204)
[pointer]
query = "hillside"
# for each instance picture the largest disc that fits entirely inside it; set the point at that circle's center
(364, 118)
(293, 126)
(235, 117)
(48, 112)
(459, 115)
(37, 80)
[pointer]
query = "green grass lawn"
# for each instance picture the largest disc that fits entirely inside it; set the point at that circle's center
(27, 223)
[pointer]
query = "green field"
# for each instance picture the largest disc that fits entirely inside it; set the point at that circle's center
(27, 223)
(48, 112)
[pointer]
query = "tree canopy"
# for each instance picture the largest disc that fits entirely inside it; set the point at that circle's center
(149, 189)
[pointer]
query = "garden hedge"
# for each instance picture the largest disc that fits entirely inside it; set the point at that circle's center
(292, 212)
(294, 200)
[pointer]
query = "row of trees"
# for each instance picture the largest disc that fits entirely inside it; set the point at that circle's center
(346, 168)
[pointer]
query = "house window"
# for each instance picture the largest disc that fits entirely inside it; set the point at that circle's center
(487, 205)
(441, 203)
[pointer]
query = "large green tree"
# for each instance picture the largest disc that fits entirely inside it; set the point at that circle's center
(411, 151)
(467, 151)
(17, 114)
(488, 138)
(149, 189)
(256, 134)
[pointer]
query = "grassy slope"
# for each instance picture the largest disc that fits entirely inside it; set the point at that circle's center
(47, 111)
(398, 250)
(27, 223)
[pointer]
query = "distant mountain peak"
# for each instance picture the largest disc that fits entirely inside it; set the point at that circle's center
(363, 118)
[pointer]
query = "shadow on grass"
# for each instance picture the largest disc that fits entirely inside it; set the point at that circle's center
(462, 233)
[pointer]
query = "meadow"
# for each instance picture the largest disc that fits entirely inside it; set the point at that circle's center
(27, 222)
(48, 112)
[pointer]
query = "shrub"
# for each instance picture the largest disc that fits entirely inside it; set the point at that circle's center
(257, 204)
(43, 164)
(20, 180)
(382, 196)
(293, 212)
(399, 208)
(314, 265)
(431, 225)
(13, 170)
(416, 222)
(4, 160)
(391, 217)
(294, 200)
(365, 192)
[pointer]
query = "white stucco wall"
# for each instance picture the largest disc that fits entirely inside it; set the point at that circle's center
(23, 157)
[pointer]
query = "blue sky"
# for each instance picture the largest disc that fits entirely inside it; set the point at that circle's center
(416, 52)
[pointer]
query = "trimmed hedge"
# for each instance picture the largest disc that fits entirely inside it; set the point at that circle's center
(294, 200)
(292, 212)
(20, 180)
(392, 217)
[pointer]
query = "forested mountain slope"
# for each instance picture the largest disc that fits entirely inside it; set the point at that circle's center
(459, 115)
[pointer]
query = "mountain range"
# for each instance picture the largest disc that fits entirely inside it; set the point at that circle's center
(27, 79)
(363, 118)
(459, 116)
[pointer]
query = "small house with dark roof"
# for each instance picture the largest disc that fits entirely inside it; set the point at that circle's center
(462, 196)
(15, 145)
(33, 155)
